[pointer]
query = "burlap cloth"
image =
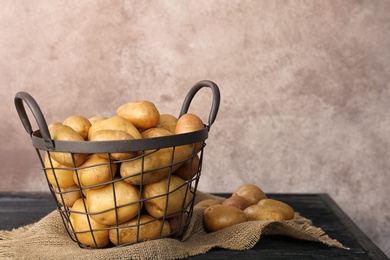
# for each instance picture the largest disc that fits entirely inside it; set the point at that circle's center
(47, 239)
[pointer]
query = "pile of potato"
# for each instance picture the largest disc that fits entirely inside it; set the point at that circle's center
(247, 203)
(105, 191)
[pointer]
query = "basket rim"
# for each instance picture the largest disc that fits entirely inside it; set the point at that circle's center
(117, 146)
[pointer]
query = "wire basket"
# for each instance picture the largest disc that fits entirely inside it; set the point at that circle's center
(123, 210)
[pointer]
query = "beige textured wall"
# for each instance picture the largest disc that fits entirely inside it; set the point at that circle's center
(305, 87)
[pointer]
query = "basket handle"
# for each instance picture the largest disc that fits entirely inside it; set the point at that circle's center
(37, 113)
(215, 102)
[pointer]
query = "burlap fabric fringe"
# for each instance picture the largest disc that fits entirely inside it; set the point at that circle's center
(47, 239)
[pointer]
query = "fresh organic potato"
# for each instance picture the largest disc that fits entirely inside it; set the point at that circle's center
(95, 170)
(287, 210)
(114, 123)
(167, 122)
(111, 135)
(66, 133)
(143, 114)
(78, 123)
(237, 201)
(155, 132)
(269, 209)
(96, 119)
(61, 176)
(252, 193)
(100, 203)
(159, 203)
(190, 123)
(218, 217)
(188, 169)
(134, 231)
(80, 222)
(154, 166)
(68, 196)
(207, 203)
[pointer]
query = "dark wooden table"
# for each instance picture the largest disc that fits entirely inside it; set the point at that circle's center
(18, 209)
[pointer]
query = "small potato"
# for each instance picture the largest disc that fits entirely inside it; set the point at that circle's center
(100, 203)
(114, 123)
(188, 169)
(134, 231)
(66, 133)
(218, 217)
(81, 223)
(96, 119)
(287, 210)
(207, 203)
(143, 114)
(78, 123)
(111, 135)
(155, 132)
(237, 201)
(163, 199)
(95, 170)
(252, 193)
(167, 122)
(61, 176)
(177, 224)
(190, 123)
(68, 196)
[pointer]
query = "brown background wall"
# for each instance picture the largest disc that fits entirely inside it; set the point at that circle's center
(305, 87)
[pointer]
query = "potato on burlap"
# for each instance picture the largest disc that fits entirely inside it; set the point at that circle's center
(168, 197)
(80, 222)
(269, 209)
(142, 114)
(135, 231)
(252, 193)
(101, 203)
(207, 203)
(218, 217)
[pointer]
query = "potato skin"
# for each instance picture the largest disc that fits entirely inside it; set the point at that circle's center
(188, 169)
(78, 123)
(79, 222)
(207, 203)
(149, 228)
(168, 122)
(218, 217)
(269, 209)
(142, 114)
(102, 199)
(61, 177)
(237, 201)
(252, 193)
(114, 123)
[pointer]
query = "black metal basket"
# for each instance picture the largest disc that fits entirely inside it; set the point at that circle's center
(115, 225)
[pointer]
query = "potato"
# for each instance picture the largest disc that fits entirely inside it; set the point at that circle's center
(100, 203)
(189, 169)
(218, 217)
(111, 135)
(95, 170)
(269, 209)
(68, 196)
(158, 203)
(78, 123)
(61, 176)
(143, 114)
(190, 123)
(154, 165)
(252, 193)
(129, 232)
(237, 201)
(114, 123)
(80, 222)
(207, 203)
(178, 224)
(287, 210)
(155, 132)
(66, 133)
(167, 122)
(96, 119)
